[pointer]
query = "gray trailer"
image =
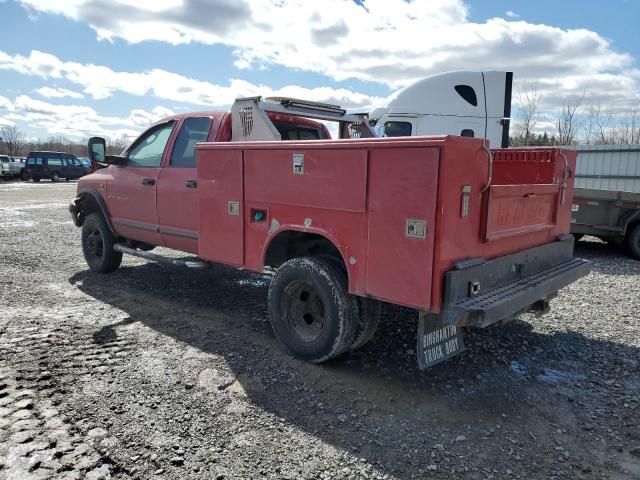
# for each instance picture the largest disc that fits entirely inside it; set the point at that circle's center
(606, 201)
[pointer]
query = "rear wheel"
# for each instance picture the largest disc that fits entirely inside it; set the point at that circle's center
(370, 312)
(312, 313)
(36, 179)
(633, 241)
(97, 245)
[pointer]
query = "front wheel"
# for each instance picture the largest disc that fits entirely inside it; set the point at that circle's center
(633, 241)
(97, 245)
(311, 310)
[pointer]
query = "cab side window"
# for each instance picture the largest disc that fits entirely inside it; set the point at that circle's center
(193, 130)
(148, 150)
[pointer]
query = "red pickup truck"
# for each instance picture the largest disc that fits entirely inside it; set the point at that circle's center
(465, 235)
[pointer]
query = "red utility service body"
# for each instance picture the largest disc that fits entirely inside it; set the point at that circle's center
(363, 195)
(466, 235)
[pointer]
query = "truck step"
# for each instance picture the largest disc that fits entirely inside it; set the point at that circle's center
(498, 303)
(178, 262)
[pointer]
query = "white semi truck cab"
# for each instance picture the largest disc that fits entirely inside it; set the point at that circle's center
(471, 104)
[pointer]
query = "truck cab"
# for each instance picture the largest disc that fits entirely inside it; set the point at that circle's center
(469, 104)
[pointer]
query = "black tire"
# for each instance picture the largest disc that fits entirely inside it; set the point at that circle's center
(55, 177)
(66, 179)
(632, 241)
(311, 311)
(36, 179)
(370, 313)
(97, 245)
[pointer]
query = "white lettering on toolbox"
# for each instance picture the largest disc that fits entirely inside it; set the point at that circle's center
(439, 335)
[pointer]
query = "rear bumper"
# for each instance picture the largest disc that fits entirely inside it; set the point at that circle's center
(481, 293)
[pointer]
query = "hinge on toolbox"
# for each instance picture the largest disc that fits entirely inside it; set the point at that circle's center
(466, 191)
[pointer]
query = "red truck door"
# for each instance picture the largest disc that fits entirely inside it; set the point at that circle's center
(177, 187)
(131, 194)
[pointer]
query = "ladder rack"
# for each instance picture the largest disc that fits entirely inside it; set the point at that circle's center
(250, 121)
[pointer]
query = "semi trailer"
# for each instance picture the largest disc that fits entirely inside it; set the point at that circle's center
(606, 200)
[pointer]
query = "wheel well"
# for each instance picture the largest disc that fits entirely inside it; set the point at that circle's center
(292, 244)
(87, 204)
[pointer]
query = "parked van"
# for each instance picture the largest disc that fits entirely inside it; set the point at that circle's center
(53, 165)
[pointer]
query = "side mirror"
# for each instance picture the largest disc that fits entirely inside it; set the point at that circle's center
(97, 150)
(98, 153)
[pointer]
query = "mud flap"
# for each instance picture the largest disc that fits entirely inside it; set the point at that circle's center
(437, 342)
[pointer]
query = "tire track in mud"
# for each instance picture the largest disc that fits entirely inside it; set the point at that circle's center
(37, 440)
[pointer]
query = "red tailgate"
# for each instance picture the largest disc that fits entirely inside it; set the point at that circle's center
(527, 192)
(526, 204)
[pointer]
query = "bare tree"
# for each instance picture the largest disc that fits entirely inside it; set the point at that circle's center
(628, 131)
(599, 125)
(116, 145)
(13, 138)
(527, 101)
(567, 123)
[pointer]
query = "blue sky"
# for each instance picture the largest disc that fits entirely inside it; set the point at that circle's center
(80, 67)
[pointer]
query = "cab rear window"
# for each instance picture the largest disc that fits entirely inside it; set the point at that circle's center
(292, 131)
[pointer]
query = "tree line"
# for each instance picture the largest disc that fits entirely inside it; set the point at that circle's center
(576, 123)
(13, 142)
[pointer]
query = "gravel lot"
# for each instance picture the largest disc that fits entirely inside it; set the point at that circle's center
(157, 372)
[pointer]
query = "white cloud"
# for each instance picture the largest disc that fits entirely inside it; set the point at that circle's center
(101, 82)
(5, 103)
(387, 41)
(49, 92)
(391, 42)
(76, 121)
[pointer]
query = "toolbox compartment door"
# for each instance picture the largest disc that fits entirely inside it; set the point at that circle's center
(403, 185)
(220, 191)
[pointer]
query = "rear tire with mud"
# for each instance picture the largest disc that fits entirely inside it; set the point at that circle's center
(97, 245)
(370, 312)
(312, 313)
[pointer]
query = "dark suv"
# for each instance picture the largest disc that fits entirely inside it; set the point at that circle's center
(53, 165)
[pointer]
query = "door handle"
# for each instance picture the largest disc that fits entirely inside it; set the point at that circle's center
(191, 184)
(148, 181)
